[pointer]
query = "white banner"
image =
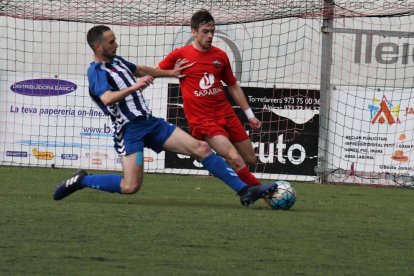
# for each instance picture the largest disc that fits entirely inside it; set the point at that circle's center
(373, 130)
(53, 121)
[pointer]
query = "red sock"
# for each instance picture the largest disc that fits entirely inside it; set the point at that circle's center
(247, 177)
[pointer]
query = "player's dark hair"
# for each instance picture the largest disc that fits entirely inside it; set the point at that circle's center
(201, 17)
(95, 34)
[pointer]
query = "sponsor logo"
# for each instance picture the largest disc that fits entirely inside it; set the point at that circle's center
(288, 141)
(96, 161)
(205, 84)
(384, 111)
(42, 155)
(96, 155)
(206, 81)
(16, 153)
(208, 92)
(295, 154)
(69, 156)
(400, 157)
(43, 87)
(148, 159)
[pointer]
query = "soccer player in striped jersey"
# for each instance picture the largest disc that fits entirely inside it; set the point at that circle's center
(209, 114)
(114, 86)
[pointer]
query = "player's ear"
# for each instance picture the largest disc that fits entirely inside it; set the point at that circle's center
(96, 46)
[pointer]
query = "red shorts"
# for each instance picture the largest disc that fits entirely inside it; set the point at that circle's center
(229, 126)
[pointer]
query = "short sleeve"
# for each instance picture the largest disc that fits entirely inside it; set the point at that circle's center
(227, 74)
(98, 81)
(169, 61)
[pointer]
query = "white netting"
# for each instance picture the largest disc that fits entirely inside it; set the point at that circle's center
(275, 48)
(146, 12)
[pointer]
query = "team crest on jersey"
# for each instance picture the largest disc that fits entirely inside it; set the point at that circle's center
(217, 64)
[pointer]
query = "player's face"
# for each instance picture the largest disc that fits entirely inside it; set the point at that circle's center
(203, 37)
(108, 46)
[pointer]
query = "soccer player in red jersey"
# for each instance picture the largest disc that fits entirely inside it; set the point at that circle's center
(116, 85)
(209, 114)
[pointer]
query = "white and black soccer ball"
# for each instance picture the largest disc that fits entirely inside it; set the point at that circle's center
(284, 197)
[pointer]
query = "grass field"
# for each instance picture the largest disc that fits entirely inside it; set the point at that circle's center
(183, 225)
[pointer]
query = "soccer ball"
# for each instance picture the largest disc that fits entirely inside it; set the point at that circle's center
(284, 197)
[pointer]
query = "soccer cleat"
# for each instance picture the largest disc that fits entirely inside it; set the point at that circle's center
(70, 185)
(253, 193)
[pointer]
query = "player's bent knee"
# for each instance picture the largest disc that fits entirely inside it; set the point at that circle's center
(130, 188)
(202, 150)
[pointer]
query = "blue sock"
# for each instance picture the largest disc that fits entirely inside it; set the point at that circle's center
(220, 169)
(105, 182)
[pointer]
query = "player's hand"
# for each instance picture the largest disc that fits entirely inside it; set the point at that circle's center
(180, 66)
(255, 123)
(144, 82)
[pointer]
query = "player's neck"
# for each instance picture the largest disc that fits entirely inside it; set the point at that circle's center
(101, 58)
(199, 47)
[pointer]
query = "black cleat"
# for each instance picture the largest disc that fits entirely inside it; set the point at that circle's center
(70, 185)
(253, 193)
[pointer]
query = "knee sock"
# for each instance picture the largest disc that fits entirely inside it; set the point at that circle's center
(220, 169)
(247, 177)
(105, 182)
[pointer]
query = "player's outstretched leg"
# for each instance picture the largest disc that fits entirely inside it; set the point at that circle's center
(70, 185)
(252, 193)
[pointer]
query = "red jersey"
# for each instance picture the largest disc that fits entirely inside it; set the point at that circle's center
(202, 89)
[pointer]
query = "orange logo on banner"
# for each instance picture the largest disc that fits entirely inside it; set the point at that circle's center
(399, 155)
(384, 114)
(42, 155)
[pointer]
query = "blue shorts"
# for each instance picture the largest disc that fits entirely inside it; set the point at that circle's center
(143, 132)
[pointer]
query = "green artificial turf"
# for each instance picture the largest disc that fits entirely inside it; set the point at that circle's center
(186, 225)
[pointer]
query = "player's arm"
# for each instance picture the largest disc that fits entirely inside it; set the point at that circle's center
(157, 72)
(179, 63)
(237, 94)
(111, 97)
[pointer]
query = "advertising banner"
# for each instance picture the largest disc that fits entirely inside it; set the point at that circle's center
(51, 121)
(286, 144)
(380, 139)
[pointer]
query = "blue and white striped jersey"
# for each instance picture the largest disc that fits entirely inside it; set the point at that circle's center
(115, 76)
